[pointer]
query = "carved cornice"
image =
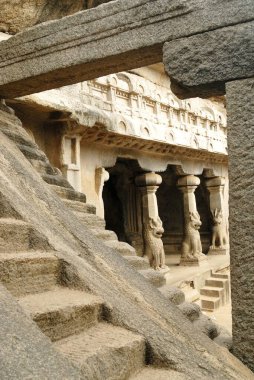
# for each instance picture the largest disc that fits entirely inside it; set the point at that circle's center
(102, 137)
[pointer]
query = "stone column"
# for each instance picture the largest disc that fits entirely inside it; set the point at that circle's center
(191, 247)
(240, 111)
(148, 184)
(219, 241)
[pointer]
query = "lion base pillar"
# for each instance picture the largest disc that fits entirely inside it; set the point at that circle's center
(191, 247)
(148, 184)
(220, 238)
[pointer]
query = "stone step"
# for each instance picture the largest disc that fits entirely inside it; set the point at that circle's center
(62, 312)
(156, 278)
(218, 283)
(56, 179)
(221, 293)
(121, 247)
(43, 168)
(17, 235)
(29, 272)
(104, 234)
(153, 373)
(137, 262)
(210, 303)
(67, 193)
(85, 208)
(212, 291)
(91, 220)
(220, 275)
(105, 352)
(17, 137)
(33, 152)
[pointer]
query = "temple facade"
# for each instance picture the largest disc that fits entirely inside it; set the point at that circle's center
(105, 133)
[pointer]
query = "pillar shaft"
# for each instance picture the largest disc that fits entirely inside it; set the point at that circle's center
(215, 186)
(148, 184)
(187, 185)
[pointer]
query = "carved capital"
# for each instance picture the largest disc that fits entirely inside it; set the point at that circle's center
(188, 183)
(216, 183)
(148, 180)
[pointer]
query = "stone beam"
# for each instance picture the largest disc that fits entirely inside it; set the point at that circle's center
(200, 65)
(115, 36)
(240, 107)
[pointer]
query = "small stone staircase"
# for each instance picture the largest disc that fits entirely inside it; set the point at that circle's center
(216, 292)
(72, 319)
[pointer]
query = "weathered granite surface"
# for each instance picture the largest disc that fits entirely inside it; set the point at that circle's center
(126, 34)
(204, 62)
(240, 107)
(25, 352)
(132, 302)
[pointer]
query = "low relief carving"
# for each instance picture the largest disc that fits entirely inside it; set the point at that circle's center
(154, 249)
(219, 236)
(192, 248)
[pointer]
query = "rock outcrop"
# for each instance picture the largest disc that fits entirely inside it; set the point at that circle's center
(18, 15)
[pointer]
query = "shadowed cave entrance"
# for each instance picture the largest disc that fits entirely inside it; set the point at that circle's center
(122, 203)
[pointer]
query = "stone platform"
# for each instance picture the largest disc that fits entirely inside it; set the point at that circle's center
(196, 274)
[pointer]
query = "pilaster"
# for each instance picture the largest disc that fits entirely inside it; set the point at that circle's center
(101, 176)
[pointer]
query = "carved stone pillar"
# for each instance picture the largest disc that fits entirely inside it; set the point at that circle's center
(152, 225)
(191, 247)
(101, 176)
(219, 243)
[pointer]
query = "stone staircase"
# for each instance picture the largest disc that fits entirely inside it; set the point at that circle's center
(75, 200)
(216, 292)
(72, 319)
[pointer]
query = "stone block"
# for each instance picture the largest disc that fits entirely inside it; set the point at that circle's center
(105, 351)
(173, 294)
(62, 312)
(31, 272)
(190, 310)
(203, 63)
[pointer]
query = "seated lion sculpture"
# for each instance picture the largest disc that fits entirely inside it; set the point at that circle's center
(219, 237)
(154, 249)
(191, 247)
